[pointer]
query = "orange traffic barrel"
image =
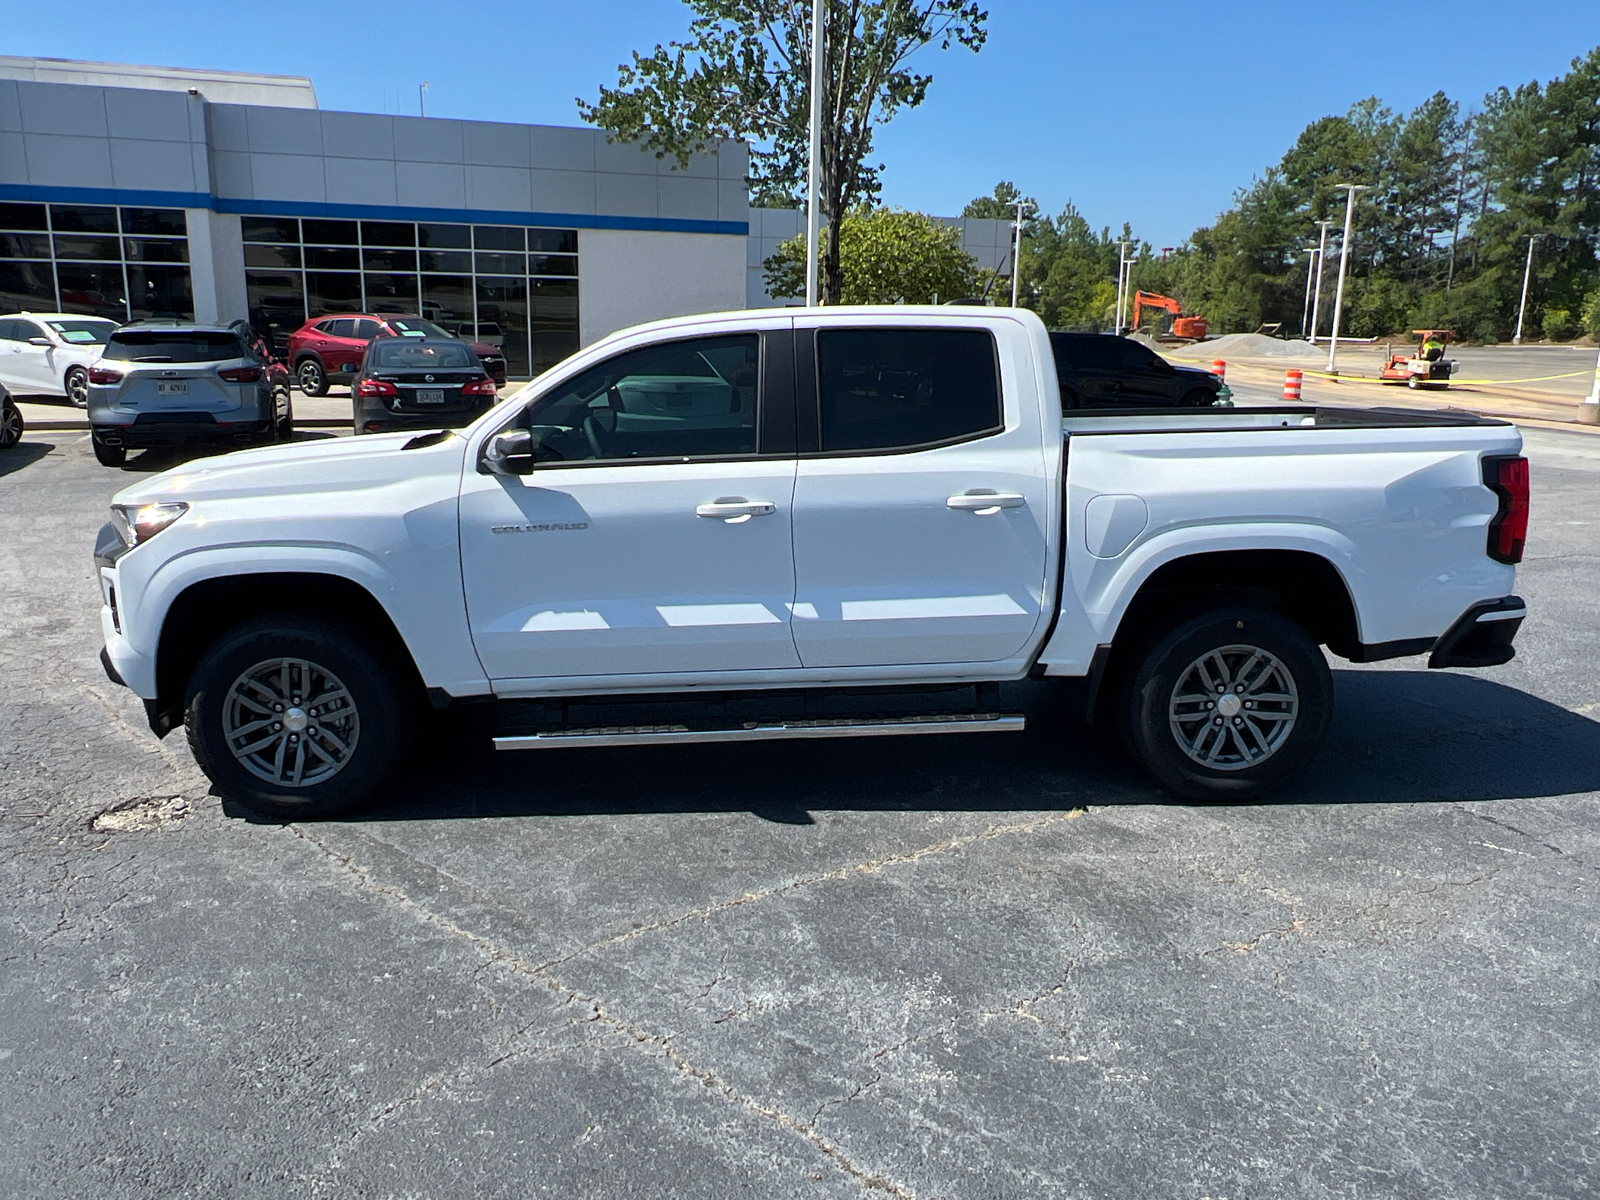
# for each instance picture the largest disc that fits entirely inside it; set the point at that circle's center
(1219, 368)
(1291, 384)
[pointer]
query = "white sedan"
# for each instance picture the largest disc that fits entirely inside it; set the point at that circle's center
(49, 354)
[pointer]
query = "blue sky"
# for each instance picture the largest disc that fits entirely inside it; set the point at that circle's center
(1127, 110)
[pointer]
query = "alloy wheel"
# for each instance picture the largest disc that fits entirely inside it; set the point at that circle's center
(78, 387)
(10, 426)
(1233, 707)
(290, 722)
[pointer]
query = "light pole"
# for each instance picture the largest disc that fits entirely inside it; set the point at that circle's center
(1016, 258)
(1527, 272)
(1316, 297)
(422, 108)
(1313, 256)
(814, 165)
(1350, 190)
(1122, 280)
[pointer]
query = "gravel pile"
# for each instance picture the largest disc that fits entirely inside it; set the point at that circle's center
(1255, 345)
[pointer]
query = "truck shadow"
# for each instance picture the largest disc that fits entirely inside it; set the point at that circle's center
(23, 454)
(1397, 737)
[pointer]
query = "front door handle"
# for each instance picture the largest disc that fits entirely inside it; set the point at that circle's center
(985, 503)
(735, 510)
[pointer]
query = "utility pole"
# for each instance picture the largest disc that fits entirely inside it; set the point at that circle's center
(1527, 272)
(422, 108)
(1123, 278)
(1350, 190)
(814, 165)
(1016, 258)
(1313, 255)
(1316, 297)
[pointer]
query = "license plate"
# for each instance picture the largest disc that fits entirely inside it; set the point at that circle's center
(427, 396)
(180, 388)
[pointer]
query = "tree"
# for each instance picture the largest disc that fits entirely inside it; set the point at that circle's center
(745, 72)
(887, 256)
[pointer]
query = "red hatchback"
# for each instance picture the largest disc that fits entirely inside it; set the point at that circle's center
(329, 349)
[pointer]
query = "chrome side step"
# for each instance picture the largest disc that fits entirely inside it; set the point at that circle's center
(769, 731)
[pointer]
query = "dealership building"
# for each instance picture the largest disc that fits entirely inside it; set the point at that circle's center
(139, 192)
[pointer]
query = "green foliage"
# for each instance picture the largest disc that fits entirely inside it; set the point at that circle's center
(1560, 324)
(889, 256)
(1591, 315)
(745, 72)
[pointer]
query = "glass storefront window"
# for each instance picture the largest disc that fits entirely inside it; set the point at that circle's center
(503, 301)
(98, 260)
(159, 291)
(327, 292)
(276, 303)
(95, 289)
(460, 276)
(168, 250)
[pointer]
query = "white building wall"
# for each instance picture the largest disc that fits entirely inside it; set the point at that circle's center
(626, 278)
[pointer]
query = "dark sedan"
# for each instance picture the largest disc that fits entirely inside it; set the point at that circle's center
(419, 383)
(1097, 371)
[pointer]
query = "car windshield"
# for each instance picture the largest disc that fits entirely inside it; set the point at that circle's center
(171, 345)
(83, 333)
(417, 327)
(422, 355)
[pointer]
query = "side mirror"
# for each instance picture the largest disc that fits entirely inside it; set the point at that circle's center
(41, 341)
(509, 453)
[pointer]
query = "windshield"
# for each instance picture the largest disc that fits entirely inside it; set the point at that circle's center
(165, 345)
(417, 327)
(422, 356)
(83, 333)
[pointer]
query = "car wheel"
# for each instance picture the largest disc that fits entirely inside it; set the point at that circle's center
(283, 414)
(1198, 398)
(10, 425)
(297, 716)
(313, 379)
(109, 456)
(77, 385)
(1229, 705)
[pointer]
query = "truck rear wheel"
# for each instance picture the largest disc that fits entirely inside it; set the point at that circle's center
(296, 716)
(1229, 706)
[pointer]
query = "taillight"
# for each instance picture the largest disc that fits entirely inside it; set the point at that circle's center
(104, 375)
(1508, 532)
(376, 387)
(241, 374)
(480, 387)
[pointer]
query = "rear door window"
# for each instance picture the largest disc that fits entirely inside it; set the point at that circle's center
(902, 389)
(1095, 354)
(344, 327)
(366, 330)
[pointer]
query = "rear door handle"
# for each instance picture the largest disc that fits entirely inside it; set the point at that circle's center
(735, 510)
(985, 503)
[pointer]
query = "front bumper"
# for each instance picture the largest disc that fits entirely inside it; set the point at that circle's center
(1483, 635)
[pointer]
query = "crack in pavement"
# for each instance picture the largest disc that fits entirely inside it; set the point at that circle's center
(632, 1034)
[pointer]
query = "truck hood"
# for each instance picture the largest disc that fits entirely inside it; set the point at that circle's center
(327, 465)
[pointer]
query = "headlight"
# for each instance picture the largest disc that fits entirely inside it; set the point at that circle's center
(138, 523)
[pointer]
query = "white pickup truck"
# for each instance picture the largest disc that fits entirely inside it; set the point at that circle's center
(820, 524)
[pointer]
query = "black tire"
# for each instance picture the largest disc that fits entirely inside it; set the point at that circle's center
(283, 424)
(11, 425)
(76, 384)
(312, 378)
(358, 749)
(1198, 398)
(109, 456)
(1254, 745)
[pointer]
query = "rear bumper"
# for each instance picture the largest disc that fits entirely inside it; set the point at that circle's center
(173, 429)
(1483, 635)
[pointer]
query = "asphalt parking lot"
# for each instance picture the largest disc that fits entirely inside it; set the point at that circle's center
(982, 967)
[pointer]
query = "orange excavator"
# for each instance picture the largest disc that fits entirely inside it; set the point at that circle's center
(1179, 327)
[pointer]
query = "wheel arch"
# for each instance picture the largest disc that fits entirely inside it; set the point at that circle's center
(208, 608)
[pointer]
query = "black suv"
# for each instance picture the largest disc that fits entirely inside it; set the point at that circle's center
(1097, 371)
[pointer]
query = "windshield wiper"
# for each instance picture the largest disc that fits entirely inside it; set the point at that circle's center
(155, 358)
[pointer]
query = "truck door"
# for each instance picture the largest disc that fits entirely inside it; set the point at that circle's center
(920, 503)
(653, 535)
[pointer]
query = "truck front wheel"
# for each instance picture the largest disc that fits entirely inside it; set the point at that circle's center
(296, 716)
(1229, 706)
